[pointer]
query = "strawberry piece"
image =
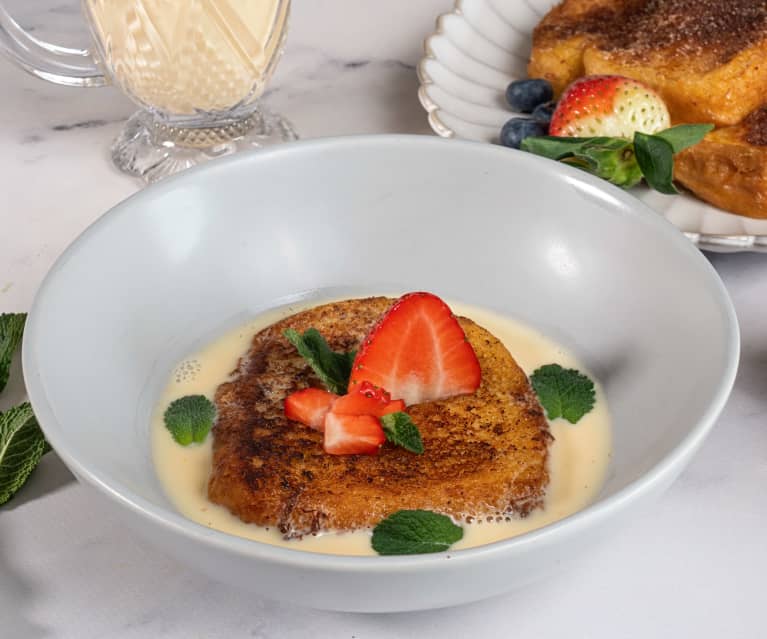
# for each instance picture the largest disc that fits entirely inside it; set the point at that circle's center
(309, 406)
(394, 406)
(352, 434)
(374, 392)
(367, 399)
(418, 351)
(608, 105)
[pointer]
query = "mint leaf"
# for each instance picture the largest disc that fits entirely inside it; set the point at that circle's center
(333, 369)
(563, 392)
(401, 431)
(655, 157)
(189, 419)
(11, 330)
(557, 148)
(21, 446)
(685, 135)
(411, 532)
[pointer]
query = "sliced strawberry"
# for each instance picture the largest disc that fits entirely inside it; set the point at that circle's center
(418, 352)
(608, 105)
(309, 406)
(373, 392)
(394, 406)
(353, 434)
(367, 399)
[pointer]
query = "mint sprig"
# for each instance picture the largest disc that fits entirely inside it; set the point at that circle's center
(566, 393)
(190, 418)
(11, 331)
(620, 161)
(22, 444)
(333, 369)
(412, 532)
(401, 431)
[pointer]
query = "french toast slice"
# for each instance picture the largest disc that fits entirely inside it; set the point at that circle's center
(485, 453)
(706, 58)
(729, 167)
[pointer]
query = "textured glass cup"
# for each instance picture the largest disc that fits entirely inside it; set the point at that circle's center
(195, 67)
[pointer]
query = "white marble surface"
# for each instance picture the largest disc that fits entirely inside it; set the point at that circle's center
(693, 565)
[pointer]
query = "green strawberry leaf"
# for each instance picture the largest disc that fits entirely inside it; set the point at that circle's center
(655, 157)
(612, 159)
(563, 392)
(21, 446)
(401, 431)
(11, 331)
(685, 135)
(190, 418)
(620, 161)
(411, 532)
(333, 369)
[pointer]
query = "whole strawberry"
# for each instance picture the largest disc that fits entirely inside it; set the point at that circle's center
(608, 105)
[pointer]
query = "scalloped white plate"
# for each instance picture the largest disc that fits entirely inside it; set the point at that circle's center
(481, 46)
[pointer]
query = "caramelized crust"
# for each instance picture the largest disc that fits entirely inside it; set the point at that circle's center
(485, 453)
(729, 167)
(704, 57)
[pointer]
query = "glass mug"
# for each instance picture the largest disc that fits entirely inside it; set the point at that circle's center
(196, 67)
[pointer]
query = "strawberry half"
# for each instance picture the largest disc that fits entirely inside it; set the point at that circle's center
(418, 352)
(367, 399)
(608, 105)
(309, 406)
(353, 434)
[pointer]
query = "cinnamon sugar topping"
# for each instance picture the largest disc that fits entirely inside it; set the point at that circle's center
(718, 28)
(756, 127)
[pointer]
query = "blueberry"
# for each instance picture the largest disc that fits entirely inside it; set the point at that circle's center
(517, 129)
(543, 112)
(525, 95)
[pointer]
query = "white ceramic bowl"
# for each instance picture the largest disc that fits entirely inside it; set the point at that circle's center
(183, 260)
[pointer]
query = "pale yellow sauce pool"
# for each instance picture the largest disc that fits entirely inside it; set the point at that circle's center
(578, 461)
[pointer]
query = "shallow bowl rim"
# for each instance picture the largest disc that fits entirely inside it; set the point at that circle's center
(585, 518)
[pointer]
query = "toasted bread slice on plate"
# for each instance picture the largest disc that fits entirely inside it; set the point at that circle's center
(729, 167)
(706, 58)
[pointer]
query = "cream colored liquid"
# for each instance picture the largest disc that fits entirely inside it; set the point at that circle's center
(578, 460)
(181, 57)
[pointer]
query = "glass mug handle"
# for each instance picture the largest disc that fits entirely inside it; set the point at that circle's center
(61, 65)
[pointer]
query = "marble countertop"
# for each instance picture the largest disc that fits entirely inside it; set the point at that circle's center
(691, 565)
